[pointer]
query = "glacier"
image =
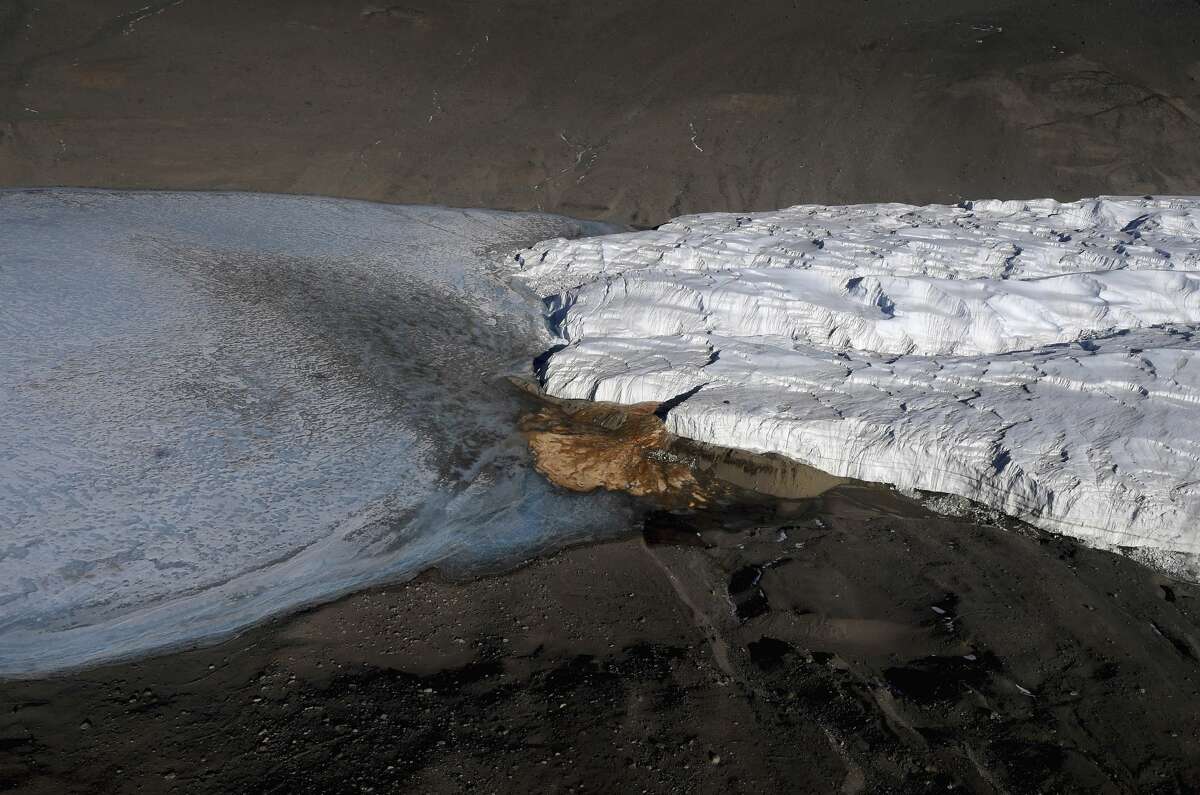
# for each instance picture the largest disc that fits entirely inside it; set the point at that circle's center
(221, 406)
(1038, 357)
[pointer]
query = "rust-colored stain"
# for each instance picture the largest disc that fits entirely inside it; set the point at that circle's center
(605, 446)
(585, 445)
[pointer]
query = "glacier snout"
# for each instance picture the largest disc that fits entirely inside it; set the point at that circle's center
(1037, 357)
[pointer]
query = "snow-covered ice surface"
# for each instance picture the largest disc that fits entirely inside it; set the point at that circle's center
(1037, 357)
(219, 406)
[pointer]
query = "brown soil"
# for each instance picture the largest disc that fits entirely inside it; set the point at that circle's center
(624, 110)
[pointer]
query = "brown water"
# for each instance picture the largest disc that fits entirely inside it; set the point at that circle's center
(586, 445)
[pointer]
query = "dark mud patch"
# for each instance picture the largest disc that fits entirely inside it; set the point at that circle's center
(934, 679)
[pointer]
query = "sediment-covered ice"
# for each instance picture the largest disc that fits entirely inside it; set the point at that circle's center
(1035, 356)
(219, 406)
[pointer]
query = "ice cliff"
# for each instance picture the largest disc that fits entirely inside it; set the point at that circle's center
(1037, 357)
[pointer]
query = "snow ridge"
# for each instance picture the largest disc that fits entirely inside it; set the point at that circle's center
(1034, 356)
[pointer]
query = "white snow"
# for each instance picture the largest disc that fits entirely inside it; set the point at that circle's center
(219, 406)
(1037, 357)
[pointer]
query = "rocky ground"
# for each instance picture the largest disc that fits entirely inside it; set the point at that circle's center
(848, 642)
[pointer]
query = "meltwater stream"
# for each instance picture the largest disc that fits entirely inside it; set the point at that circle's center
(221, 406)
